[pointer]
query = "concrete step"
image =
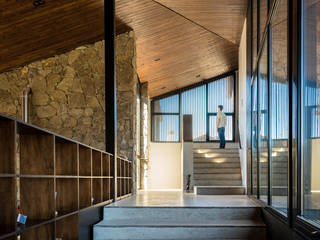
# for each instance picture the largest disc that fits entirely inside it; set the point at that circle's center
(209, 182)
(217, 160)
(217, 176)
(215, 145)
(216, 165)
(180, 214)
(180, 223)
(215, 155)
(219, 190)
(274, 159)
(249, 230)
(264, 170)
(216, 170)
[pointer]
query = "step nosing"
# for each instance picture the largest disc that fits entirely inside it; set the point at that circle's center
(183, 224)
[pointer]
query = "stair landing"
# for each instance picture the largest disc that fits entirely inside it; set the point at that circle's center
(176, 215)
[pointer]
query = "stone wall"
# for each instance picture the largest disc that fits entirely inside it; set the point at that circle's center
(128, 109)
(144, 135)
(67, 94)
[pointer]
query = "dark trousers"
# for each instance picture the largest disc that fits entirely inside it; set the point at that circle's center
(222, 137)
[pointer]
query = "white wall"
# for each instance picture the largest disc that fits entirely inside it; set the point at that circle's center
(164, 166)
(315, 165)
(242, 102)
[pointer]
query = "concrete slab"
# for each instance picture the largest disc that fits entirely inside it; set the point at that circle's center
(180, 199)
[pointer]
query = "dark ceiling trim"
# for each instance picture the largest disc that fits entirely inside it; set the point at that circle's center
(193, 22)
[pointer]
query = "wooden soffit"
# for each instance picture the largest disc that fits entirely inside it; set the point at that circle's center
(29, 33)
(173, 50)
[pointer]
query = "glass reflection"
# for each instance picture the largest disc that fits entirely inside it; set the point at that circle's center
(311, 113)
(263, 116)
(279, 109)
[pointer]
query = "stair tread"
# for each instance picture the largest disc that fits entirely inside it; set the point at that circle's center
(186, 223)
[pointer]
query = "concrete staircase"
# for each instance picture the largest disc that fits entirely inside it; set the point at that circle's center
(279, 169)
(217, 171)
(180, 223)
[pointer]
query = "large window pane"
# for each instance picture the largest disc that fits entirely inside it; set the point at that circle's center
(279, 109)
(254, 118)
(311, 113)
(213, 135)
(221, 92)
(165, 128)
(263, 116)
(194, 102)
(167, 105)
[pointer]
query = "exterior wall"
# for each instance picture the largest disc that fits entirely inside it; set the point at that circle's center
(144, 135)
(67, 94)
(128, 97)
(242, 96)
(165, 166)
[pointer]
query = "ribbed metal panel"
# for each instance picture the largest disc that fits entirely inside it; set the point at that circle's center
(312, 101)
(221, 92)
(194, 102)
(213, 134)
(167, 105)
(166, 128)
(280, 110)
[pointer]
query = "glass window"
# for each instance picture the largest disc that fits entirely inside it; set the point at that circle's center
(165, 128)
(203, 108)
(221, 92)
(263, 125)
(165, 119)
(194, 102)
(311, 112)
(279, 109)
(213, 135)
(166, 105)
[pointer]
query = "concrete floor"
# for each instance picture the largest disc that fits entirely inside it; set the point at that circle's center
(180, 199)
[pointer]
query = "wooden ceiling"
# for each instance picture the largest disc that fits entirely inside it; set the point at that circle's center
(182, 42)
(179, 42)
(29, 33)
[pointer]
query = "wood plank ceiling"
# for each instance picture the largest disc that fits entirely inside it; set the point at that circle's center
(29, 33)
(179, 42)
(182, 42)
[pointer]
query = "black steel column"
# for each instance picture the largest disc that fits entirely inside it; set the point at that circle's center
(294, 60)
(110, 85)
(269, 37)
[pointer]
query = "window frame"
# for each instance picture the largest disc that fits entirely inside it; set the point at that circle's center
(208, 114)
(293, 220)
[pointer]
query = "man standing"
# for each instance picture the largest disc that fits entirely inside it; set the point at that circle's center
(221, 124)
